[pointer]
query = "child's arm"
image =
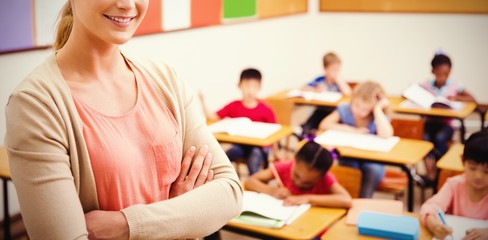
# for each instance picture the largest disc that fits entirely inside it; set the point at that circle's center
(383, 125)
(439, 230)
(258, 182)
(344, 87)
(339, 198)
(332, 121)
(464, 96)
(210, 115)
(440, 201)
(277, 153)
(476, 234)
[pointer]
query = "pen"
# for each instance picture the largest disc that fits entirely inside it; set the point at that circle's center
(276, 175)
(441, 216)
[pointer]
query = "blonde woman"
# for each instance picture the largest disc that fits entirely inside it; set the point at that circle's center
(103, 145)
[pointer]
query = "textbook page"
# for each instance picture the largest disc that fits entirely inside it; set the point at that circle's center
(459, 225)
(357, 140)
(417, 95)
(327, 96)
(244, 127)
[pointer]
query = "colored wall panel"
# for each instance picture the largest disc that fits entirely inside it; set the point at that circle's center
(274, 8)
(176, 14)
(239, 8)
(152, 22)
(46, 14)
(16, 25)
(205, 12)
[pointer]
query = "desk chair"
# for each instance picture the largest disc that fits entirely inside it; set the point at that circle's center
(395, 182)
(349, 178)
(444, 175)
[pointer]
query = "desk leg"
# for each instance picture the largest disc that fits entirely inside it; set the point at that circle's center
(410, 195)
(265, 158)
(6, 215)
(462, 131)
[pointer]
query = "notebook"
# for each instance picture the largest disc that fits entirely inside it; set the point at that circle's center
(372, 205)
(357, 140)
(244, 127)
(459, 225)
(419, 96)
(389, 226)
(263, 210)
(327, 96)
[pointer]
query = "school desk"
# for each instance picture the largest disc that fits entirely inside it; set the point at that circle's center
(469, 107)
(340, 230)
(298, 100)
(450, 164)
(307, 226)
(5, 175)
(405, 153)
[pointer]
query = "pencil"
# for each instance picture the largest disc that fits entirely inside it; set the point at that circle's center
(276, 175)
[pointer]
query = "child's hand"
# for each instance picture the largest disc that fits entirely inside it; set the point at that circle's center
(320, 88)
(362, 130)
(280, 193)
(382, 103)
(476, 234)
(441, 231)
(295, 200)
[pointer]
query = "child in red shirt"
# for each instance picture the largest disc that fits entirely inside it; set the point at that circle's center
(303, 180)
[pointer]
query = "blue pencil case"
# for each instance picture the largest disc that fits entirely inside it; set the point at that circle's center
(388, 226)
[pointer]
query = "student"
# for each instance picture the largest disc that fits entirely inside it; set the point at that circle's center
(367, 113)
(464, 195)
(330, 81)
(439, 130)
(251, 107)
(103, 145)
(306, 179)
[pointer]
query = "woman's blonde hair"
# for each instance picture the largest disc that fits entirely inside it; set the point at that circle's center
(370, 92)
(65, 25)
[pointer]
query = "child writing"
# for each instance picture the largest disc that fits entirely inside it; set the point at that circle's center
(251, 107)
(463, 195)
(439, 130)
(330, 81)
(303, 180)
(367, 113)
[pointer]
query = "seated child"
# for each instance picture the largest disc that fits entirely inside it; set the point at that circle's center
(439, 130)
(463, 195)
(252, 107)
(330, 81)
(303, 180)
(367, 113)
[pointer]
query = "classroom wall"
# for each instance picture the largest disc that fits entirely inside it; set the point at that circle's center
(394, 49)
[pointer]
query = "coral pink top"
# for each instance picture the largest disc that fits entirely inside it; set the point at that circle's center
(285, 168)
(136, 156)
(453, 199)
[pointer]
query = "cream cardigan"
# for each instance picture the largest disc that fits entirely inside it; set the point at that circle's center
(52, 174)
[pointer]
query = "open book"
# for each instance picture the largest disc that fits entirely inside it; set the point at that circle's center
(263, 210)
(326, 96)
(461, 224)
(244, 127)
(373, 205)
(357, 140)
(421, 97)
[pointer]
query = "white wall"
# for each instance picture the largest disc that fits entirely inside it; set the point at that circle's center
(394, 49)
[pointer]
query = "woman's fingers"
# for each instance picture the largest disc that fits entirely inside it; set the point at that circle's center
(197, 164)
(185, 164)
(210, 176)
(202, 176)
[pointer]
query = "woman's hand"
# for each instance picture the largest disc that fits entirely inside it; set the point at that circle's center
(106, 225)
(476, 234)
(193, 175)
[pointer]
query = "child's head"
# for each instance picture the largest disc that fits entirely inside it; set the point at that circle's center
(364, 97)
(475, 160)
(332, 65)
(250, 83)
(441, 67)
(312, 161)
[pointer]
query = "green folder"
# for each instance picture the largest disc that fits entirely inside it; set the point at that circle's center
(239, 8)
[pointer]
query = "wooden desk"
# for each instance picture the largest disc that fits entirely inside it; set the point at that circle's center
(405, 152)
(307, 226)
(468, 108)
(297, 100)
(275, 137)
(5, 175)
(452, 159)
(340, 230)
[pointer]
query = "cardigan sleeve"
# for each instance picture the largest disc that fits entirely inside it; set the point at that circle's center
(40, 169)
(205, 209)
